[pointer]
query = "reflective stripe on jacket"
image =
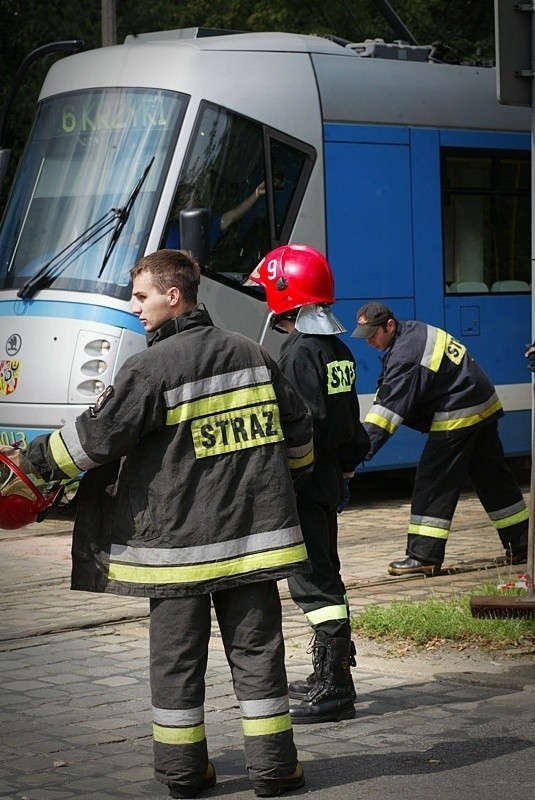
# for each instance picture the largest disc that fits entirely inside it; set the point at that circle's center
(429, 382)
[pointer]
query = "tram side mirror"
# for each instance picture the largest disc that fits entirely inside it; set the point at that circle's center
(195, 234)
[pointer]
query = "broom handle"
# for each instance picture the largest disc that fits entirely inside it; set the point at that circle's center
(531, 523)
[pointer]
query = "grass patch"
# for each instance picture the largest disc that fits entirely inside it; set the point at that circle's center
(444, 619)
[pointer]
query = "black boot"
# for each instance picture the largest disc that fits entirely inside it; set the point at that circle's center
(414, 566)
(516, 544)
(330, 699)
(299, 689)
(512, 557)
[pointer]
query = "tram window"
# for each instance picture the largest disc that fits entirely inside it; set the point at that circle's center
(287, 166)
(225, 171)
(486, 202)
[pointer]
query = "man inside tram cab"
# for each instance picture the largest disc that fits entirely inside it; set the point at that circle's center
(188, 197)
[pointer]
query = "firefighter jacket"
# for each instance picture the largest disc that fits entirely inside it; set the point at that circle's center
(322, 369)
(188, 486)
(429, 382)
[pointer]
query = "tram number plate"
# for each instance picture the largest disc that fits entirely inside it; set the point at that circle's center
(13, 437)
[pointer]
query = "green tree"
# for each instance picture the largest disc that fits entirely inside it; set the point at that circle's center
(464, 31)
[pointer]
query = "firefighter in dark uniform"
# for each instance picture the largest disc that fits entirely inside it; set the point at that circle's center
(188, 499)
(299, 289)
(430, 382)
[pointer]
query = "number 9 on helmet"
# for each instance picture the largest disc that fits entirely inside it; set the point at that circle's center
(21, 501)
(293, 276)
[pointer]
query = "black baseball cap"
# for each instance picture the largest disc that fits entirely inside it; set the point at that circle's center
(369, 317)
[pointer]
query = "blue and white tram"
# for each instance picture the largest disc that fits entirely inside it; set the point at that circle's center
(407, 173)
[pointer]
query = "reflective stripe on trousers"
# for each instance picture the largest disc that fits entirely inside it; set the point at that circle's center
(441, 474)
(249, 618)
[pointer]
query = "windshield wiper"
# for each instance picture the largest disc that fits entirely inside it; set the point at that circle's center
(94, 233)
(122, 217)
(55, 266)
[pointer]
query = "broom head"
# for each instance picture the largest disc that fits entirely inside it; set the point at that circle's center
(503, 607)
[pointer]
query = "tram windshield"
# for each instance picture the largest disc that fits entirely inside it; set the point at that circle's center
(86, 190)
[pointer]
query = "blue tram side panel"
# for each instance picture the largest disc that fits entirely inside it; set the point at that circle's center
(385, 241)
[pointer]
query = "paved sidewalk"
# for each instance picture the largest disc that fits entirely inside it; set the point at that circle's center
(75, 713)
(35, 570)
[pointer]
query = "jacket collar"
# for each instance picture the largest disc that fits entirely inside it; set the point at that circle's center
(197, 317)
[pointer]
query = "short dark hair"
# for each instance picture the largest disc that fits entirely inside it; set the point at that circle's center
(170, 268)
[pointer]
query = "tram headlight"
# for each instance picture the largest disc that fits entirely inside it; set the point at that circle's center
(94, 367)
(98, 347)
(93, 364)
(91, 388)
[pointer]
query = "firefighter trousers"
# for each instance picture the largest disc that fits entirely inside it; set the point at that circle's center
(321, 593)
(440, 476)
(250, 620)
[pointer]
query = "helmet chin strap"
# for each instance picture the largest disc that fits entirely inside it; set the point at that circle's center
(275, 319)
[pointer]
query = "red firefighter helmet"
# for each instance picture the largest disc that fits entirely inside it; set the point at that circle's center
(294, 275)
(21, 501)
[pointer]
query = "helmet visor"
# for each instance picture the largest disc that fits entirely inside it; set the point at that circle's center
(315, 318)
(18, 476)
